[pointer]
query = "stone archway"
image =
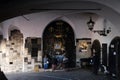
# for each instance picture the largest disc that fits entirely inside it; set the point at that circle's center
(114, 54)
(58, 36)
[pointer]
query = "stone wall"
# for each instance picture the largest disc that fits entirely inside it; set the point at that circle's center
(14, 57)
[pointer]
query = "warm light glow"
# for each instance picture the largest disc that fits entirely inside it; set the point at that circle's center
(83, 45)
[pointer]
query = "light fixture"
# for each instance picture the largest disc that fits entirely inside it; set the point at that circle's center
(103, 32)
(90, 24)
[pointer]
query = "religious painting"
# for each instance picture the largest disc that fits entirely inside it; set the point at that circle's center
(57, 45)
(83, 44)
(83, 47)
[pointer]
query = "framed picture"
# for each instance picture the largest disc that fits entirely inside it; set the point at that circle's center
(83, 44)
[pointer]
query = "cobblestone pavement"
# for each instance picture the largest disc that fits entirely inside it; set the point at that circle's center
(58, 75)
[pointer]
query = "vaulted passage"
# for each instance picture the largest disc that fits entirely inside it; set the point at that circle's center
(58, 37)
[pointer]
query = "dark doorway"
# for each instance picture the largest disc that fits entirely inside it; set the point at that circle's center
(58, 36)
(96, 52)
(104, 54)
(114, 56)
(96, 45)
(34, 52)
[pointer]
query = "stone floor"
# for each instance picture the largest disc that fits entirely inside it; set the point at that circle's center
(79, 74)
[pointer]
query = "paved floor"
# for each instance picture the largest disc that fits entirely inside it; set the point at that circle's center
(80, 74)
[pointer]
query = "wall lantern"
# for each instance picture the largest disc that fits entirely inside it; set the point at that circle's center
(103, 32)
(90, 24)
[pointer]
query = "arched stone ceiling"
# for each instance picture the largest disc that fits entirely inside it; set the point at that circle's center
(13, 8)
